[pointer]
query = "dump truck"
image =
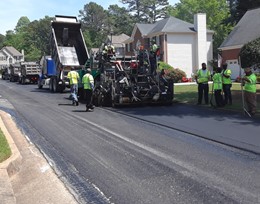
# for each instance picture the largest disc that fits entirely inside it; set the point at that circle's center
(48, 71)
(29, 72)
(68, 49)
(15, 72)
(6, 73)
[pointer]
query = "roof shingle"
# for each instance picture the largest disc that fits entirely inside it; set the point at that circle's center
(246, 30)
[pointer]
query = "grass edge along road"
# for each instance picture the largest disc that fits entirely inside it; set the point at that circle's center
(189, 94)
(5, 151)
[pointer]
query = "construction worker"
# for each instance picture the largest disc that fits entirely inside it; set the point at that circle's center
(154, 52)
(73, 76)
(227, 84)
(202, 78)
(108, 52)
(88, 82)
(249, 82)
(217, 86)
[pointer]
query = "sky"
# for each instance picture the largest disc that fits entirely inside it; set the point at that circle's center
(12, 10)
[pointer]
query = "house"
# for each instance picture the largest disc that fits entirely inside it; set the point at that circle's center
(182, 45)
(118, 43)
(246, 30)
(9, 55)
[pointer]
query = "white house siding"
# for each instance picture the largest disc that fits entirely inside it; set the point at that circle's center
(201, 38)
(180, 53)
(209, 50)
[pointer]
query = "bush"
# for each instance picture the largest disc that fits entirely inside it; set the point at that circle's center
(165, 66)
(250, 54)
(171, 73)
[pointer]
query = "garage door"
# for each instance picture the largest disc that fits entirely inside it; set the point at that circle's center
(234, 67)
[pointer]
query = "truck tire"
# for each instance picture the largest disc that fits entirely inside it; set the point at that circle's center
(23, 80)
(39, 84)
(51, 85)
(55, 85)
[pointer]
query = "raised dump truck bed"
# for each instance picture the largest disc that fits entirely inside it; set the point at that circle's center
(68, 50)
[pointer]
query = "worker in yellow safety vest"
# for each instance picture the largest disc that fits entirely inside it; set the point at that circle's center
(227, 84)
(202, 78)
(217, 86)
(88, 83)
(73, 76)
(153, 57)
(249, 82)
(108, 52)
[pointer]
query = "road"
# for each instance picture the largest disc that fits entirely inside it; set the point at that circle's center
(170, 154)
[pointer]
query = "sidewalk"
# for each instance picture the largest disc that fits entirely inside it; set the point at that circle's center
(26, 177)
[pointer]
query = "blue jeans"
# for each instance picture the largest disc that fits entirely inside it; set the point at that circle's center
(74, 92)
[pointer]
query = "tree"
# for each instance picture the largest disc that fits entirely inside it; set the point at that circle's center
(155, 9)
(2, 39)
(145, 11)
(95, 21)
(120, 20)
(250, 54)
(217, 12)
(22, 23)
(243, 6)
(14, 39)
(135, 7)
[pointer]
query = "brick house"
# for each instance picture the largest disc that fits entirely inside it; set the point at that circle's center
(246, 30)
(9, 55)
(182, 45)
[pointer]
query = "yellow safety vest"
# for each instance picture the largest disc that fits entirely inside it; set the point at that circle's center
(251, 86)
(87, 80)
(225, 79)
(73, 76)
(217, 81)
(203, 76)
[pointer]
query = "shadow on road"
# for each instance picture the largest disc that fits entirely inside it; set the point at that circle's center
(182, 111)
(79, 111)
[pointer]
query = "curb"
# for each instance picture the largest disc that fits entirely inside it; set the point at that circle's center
(14, 161)
(11, 166)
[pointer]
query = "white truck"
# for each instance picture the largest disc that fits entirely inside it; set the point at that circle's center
(29, 72)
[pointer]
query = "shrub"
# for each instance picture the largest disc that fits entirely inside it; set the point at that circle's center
(250, 54)
(171, 73)
(165, 66)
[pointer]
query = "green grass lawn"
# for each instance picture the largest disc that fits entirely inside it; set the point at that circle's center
(5, 151)
(189, 94)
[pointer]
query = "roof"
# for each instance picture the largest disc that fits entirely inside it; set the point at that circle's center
(144, 28)
(118, 40)
(12, 51)
(168, 25)
(246, 30)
